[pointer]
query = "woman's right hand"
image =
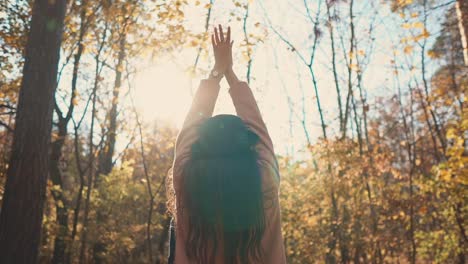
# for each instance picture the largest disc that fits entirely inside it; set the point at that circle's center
(222, 49)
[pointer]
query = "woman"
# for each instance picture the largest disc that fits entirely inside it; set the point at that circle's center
(225, 176)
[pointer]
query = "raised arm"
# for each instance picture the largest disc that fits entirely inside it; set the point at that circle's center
(247, 109)
(203, 103)
(201, 109)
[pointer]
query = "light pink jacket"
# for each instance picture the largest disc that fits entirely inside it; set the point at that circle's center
(246, 107)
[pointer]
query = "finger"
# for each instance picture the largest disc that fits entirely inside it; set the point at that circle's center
(216, 36)
(221, 34)
(228, 37)
(213, 41)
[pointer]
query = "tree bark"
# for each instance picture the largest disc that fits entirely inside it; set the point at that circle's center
(60, 240)
(462, 14)
(21, 215)
(106, 162)
(60, 204)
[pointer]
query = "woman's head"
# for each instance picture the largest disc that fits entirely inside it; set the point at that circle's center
(223, 197)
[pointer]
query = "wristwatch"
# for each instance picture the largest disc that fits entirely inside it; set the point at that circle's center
(214, 74)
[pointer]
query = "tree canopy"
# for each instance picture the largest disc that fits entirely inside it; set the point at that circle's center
(365, 101)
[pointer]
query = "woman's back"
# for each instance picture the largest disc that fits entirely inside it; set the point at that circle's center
(226, 180)
(271, 241)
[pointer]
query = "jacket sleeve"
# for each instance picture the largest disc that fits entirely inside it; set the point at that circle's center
(247, 109)
(201, 109)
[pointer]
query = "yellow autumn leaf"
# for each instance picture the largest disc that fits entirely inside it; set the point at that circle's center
(433, 55)
(193, 43)
(446, 175)
(56, 188)
(354, 66)
(448, 101)
(426, 33)
(245, 56)
(405, 40)
(418, 25)
(451, 133)
(406, 25)
(404, 2)
(408, 49)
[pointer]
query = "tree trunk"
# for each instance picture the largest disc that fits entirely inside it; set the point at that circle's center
(60, 203)
(350, 70)
(60, 239)
(21, 215)
(106, 163)
(91, 173)
(462, 14)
